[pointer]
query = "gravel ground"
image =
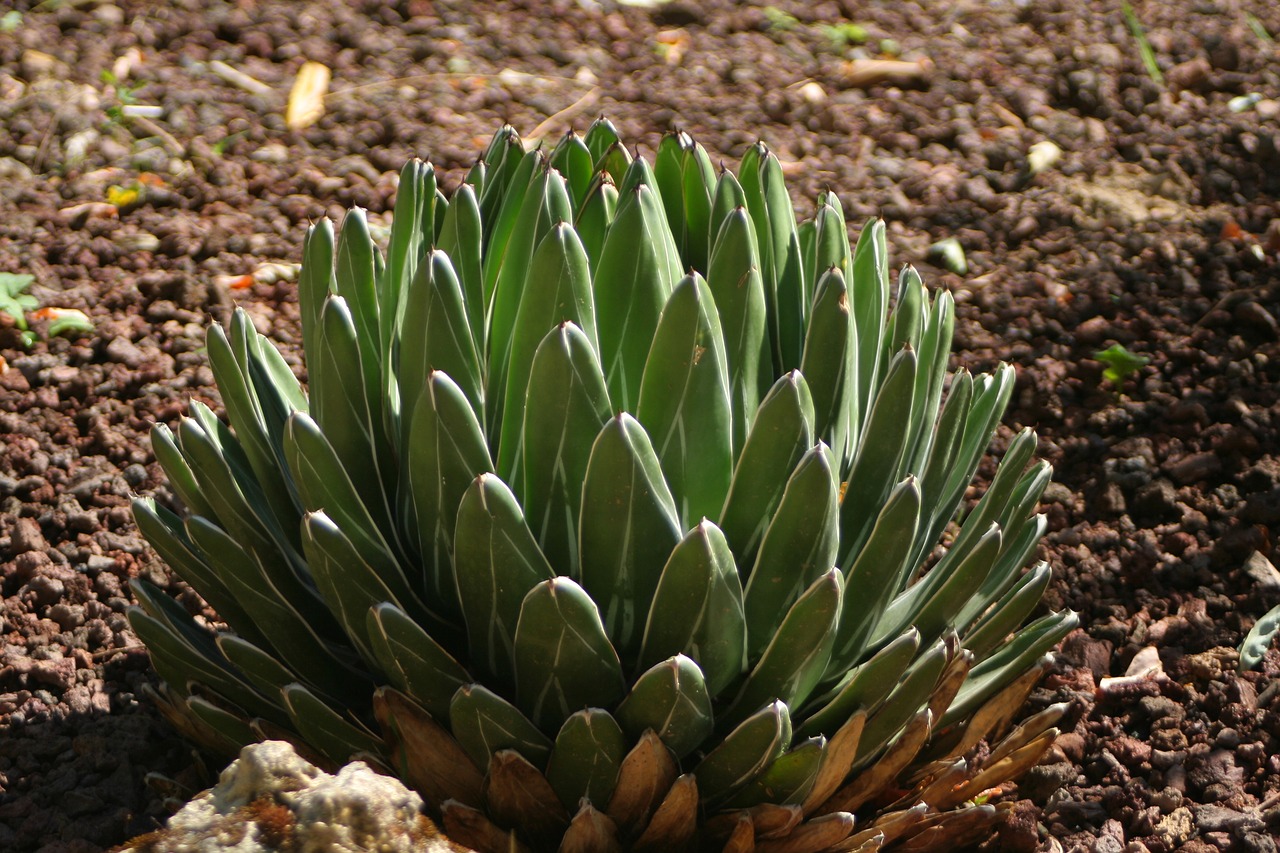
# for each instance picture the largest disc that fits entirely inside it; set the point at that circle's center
(1157, 229)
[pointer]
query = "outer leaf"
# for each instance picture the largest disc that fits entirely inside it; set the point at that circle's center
(351, 427)
(485, 723)
(586, 758)
(745, 752)
(872, 580)
(684, 401)
(573, 159)
(302, 642)
(639, 266)
(780, 436)
(568, 404)
(600, 137)
(797, 657)
(544, 206)
(557, 290)
(869, 291)
(671, 700)
(445, 453)
(830, 366)
(628, 527)
(496, 563)
(697, 609)
(413, 661)
(315, 281)
(462, 240)
(164, 531)
(326, 729)
(595, 215)
(735, 282)
(788, 778)
(876, 463)
(799, 546)
(412, 231)
(864, 687)
(563, 659)
(438, 336)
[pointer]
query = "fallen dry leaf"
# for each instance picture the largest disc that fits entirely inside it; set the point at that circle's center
(306, 98)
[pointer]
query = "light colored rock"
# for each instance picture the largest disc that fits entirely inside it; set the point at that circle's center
(270, 800)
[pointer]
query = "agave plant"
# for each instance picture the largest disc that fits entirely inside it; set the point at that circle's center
(611, 518)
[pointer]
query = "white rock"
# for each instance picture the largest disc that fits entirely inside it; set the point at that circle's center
(270, 800)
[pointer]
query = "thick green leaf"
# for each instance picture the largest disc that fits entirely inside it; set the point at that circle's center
(462, 240)
(586, 757)
(697, 609)
(1010, 661)
(163, 531)
(496, 562)
(301, 640)
(412, 232)
(935, 353)
(797, 655)
(639, 267)
(563, 658)
(872, 580)
(910, 696)
(484, 723)
(671, 700)
(738, 289)
(260, 669)
(862, 688)
(446, 451)
(830, 366)
(595, 215)
(413, 661)
(746, 751)
(349, 585)
(187, 653)
(545, 206)
(876, 463)
(505, 159)
(567, 406)
(869, 291)
(600, 137)
(245, 411)
(176, 467)
(438, 337)
(1009, 612)
(780, 435)
(341, 410)
(573, 160)
(684, 402)
(315, 283)
(324, 485)
(787, 780)
(557, 290)
(799, 547)
(356, 274)
(615, 161)
(326, 729)
(627, 529)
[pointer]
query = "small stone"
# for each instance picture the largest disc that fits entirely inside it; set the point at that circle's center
(1176, 827)
(274, 800)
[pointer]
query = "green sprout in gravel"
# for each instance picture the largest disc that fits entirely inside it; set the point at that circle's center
(1120, 363)
(16, 302)
(610, 520)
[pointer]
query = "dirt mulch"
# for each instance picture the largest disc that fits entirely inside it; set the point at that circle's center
(1157, 229)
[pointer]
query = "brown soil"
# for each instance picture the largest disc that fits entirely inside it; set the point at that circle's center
(1157, 229)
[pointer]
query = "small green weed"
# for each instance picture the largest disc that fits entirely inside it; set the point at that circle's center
(1120, 363)
(1144, 46)
(16, 303)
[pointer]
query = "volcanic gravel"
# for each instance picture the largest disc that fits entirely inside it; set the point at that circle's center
(1157, 229)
